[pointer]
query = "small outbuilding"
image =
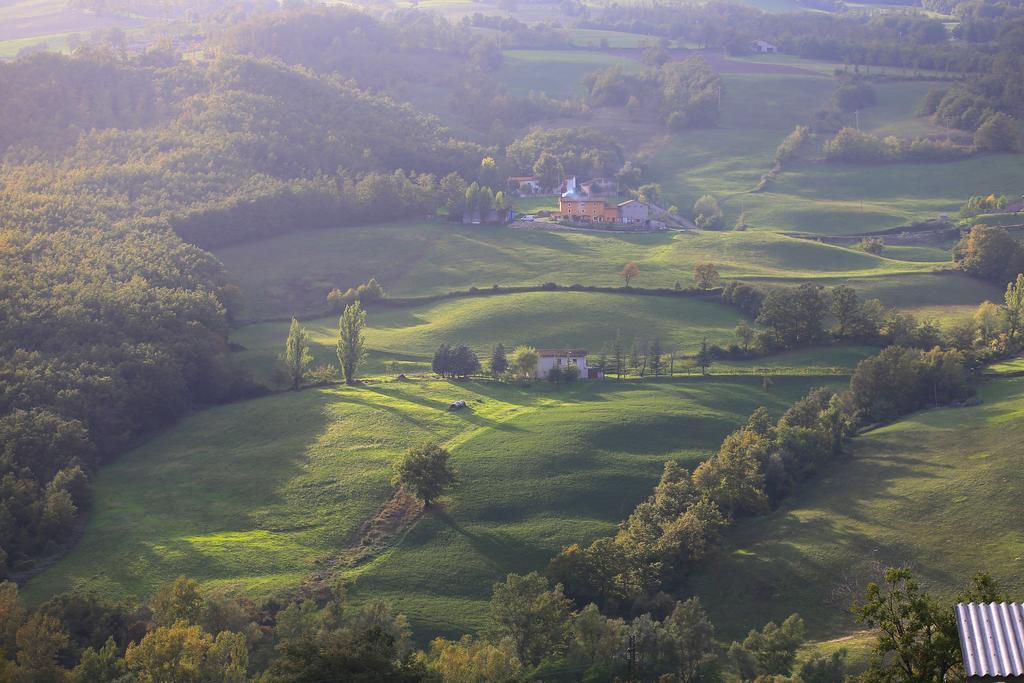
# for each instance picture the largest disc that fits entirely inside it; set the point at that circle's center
(992, 640)
(763, 47)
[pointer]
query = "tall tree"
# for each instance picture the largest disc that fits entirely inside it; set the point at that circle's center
(425, 472)
(655, 354)
(705, 275)
(524, 359)
(499, 363)
(296, 354)
(351, 341)
(618, 355)
(704, 358)
(1014, 300)
(629, 271)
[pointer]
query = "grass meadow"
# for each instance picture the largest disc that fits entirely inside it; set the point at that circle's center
(251, 496)
(938, 491)
(409, 336)
(291, 274)
(559, 73)
(811, 196)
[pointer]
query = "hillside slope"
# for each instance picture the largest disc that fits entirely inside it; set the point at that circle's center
(939, 491)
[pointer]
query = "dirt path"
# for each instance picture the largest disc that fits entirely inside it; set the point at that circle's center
(375, 535)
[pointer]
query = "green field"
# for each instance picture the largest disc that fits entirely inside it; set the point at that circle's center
(291, 274)
(939, 490)
(559, 73)
(249, 496)
(539, 319)
(811, 196)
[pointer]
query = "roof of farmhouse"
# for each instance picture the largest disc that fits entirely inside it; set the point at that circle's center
(561, 352)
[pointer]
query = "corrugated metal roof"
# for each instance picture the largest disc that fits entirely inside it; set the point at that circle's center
(991, 638)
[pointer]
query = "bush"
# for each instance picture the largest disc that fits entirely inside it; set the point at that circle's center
(872, 245)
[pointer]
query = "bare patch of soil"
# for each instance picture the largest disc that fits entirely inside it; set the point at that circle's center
(376, 534)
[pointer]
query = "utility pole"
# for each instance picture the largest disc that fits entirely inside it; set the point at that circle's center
(856, 116)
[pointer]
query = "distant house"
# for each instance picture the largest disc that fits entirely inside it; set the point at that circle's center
(551, 358)
(579, 206)
(991, 640)
(763, 47)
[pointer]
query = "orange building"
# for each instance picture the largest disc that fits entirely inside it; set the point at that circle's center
(577, 206)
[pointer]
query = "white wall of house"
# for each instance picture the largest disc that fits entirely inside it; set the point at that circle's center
(545, 363)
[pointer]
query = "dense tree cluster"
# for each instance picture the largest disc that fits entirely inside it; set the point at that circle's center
(578, 151)
(455, 361)
(684, 93)
(900, 380)
(990, 253)
(262, 149)
(106, 335)
(855, 146)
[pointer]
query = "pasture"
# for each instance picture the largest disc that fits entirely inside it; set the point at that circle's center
(254, 496)
(559, 73)
(759, 110)
(292, 274)
(938, 491)
(541, 319)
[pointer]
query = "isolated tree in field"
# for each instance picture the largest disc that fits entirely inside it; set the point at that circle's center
(424, 471)
(1014, 300)
(499, 363)
(629, 271)
(745, 334)
(351, 341)
(548, 171)
(872, 245)
(705, 275)
(704, 358)
(296, 354)
(524, 359)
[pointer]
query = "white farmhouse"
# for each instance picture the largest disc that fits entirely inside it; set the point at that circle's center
(549, 358)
